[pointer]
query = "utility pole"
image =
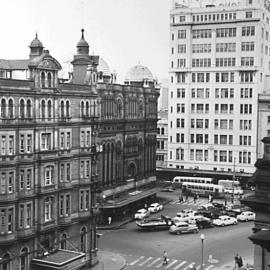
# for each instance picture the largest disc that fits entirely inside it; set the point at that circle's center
(233, 180)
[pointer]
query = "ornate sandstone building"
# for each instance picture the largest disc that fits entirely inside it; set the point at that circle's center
(72, 153)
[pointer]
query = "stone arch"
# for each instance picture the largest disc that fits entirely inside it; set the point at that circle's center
(10, 112)
(132, 170)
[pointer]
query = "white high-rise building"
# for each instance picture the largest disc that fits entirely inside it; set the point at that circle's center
(219, 63)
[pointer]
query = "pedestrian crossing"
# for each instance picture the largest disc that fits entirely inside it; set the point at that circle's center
(190, 201)
(143, 262)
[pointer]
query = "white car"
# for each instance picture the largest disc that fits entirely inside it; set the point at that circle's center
(155, 207)
(141, 214)
(246, 216)
(224, 221)
(182, 217)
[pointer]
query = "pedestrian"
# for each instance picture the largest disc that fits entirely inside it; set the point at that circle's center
(225, 202)
(240, 262)
(236, 260)
(181, 197)
(186, 196)
(209, 198)
(109, 220)
(194, 198)
(165, 258)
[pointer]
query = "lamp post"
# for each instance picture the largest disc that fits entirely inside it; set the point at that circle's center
(202, 239)
(233, 180)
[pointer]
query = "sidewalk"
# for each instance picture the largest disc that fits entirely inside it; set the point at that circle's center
(109, 260)
(230, 266)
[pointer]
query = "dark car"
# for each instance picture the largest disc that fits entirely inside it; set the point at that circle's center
(211, 212)
(164, 222)
(219, 205)
(203, 223)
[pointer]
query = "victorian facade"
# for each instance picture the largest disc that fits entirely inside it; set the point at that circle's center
(61, 142)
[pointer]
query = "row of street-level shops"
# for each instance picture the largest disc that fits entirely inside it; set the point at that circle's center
(119, 203)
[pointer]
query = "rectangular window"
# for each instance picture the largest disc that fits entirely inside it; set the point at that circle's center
(29, 143)
(11, 145)
(181, 34)
(28, 215)
(248, 31)
(68, 140)
(225, 32)
(28, 179)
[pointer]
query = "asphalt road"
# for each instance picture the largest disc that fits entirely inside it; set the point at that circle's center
(144, 249)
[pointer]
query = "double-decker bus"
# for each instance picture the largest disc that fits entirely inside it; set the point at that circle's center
(179, 180)
(204, 190)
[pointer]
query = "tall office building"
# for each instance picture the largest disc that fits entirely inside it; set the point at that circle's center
(219, 63)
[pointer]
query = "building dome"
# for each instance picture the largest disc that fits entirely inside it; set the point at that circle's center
(103, 67)
(36, 43)
(139, 73)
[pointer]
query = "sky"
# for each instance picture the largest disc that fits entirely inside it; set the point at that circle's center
(123, 32)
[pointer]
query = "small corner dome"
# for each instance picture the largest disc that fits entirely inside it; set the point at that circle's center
(103, 67)
(139, 73)
(36, 42)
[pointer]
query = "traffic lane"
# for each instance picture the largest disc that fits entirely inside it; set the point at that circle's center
(220, 242)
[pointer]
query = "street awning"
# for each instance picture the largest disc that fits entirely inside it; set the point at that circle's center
(128, 199)
(261, 238)
(60, 260)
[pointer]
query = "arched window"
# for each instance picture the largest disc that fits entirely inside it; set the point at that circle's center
(119, 108)
(42, 79)
(43, 106)
(62, 109)
(82, 108)
(49, 79)
(64, 241)
(67, 108)
(3, 108)
(49, 109)
(48, 203)
(6, 262)
(22, 108)
(28, 109)
(10, 108)
(87, 108)
(24, 259)
(83, 239)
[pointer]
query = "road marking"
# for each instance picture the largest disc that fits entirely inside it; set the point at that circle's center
(153, 262)
(190, 265)
(209, 267)
(172, 263)
(150, 258)
(179, 265)
(132, 263)
(158, 266)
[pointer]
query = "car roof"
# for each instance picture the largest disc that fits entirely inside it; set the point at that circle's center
(181, 223)
(247, 212)
(154, 203)
(224, 216)
(142, 210)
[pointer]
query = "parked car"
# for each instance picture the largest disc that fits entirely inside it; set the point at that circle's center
(167, 189)
(211, 212)
(164, 222)
(190, 212)
(246, 216)
(183, 227)
(204, 222)
(141, 214)
(224, 221)
(183, 217)
(155, 207)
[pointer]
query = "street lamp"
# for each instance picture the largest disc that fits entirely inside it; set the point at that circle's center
(202, 239)
(233, 180)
